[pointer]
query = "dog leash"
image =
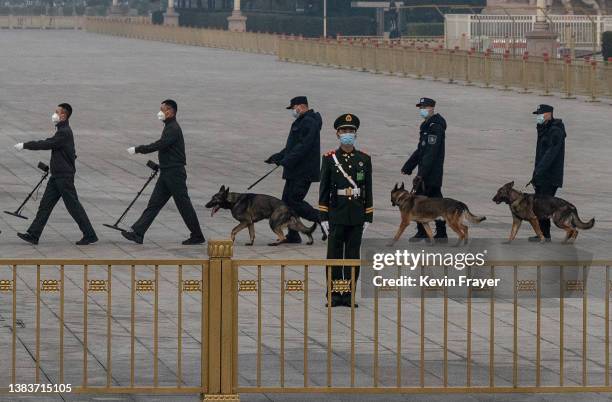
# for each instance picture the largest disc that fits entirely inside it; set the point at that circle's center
(414, 188)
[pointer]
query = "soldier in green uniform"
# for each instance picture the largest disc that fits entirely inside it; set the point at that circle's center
(345, 201)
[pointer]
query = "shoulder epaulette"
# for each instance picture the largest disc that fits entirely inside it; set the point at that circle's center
(330, 152)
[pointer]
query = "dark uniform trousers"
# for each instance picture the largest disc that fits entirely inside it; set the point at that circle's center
(172, 182)
(344, 242)
(61, 187)
(546, 190)
(294, 193)
(431, 192)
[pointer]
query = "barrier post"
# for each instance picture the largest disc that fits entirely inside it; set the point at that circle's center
(451, 65)
(524, 75)
(468, 67)
(505, 71)
(568, 79)
(221, 305)
(593, 82)
(546, 76)
(434, 68)
(419, 61)
(487, 69)
(376, 58)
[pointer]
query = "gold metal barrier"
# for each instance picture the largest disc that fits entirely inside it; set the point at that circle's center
(142, 279)
(540, 73)
(203, 301)
(395, 379)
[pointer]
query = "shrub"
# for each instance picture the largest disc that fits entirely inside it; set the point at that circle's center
(202, 19)
(424, 29)
(157, 17)
(606, 44)
(309, 26)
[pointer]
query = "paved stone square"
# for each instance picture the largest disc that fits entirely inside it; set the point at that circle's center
(231, 109)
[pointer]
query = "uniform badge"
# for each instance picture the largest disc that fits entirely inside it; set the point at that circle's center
(431, 139)
(360, 176)
(349, 117)
(423, 143)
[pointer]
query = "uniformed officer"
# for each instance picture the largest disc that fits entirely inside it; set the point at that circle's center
(550, 154)
(345, 200)
(429, 158)
(300, 161)
(172, 180)
(61, 183)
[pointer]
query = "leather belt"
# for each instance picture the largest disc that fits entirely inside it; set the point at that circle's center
(350, 192)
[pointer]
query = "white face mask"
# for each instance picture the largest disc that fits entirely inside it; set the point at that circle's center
(294, 113)
(55, 118)
(161, 115)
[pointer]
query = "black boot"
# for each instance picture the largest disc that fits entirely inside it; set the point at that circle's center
(132, 236)
(346, 300)
(420, 234)
(28, 237)
(293, 237)
(441, 236)
(323, 232)
(336, 300)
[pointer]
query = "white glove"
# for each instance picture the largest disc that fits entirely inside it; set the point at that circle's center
(131, 150)
(325, 226)
(19, 146)
(365, 227)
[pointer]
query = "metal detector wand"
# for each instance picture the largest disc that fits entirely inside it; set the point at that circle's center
(17, 212)
(155, 167)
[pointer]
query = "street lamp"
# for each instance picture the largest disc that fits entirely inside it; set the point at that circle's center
(325, 18)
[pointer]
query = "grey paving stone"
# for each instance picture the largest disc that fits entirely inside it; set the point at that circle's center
(231, 108)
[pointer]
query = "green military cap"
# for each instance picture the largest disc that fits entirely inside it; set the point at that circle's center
(347, 120)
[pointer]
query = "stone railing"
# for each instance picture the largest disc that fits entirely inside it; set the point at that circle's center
(217, 38)
(41, 22)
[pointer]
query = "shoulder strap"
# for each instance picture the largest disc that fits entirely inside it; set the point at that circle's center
(346, 176)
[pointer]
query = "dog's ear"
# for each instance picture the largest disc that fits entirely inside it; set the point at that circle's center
(222, 189)
(511, 183)
(402, 187)
(227, 190)
(395, 187)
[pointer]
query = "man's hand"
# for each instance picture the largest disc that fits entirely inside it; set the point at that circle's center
(273, 159)
(416, 182)
(325, 226)
(365, 227)
(19, 146)
(131, 150)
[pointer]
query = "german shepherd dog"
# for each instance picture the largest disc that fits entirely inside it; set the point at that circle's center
(424, 210)
(248, 208)
(532, 208)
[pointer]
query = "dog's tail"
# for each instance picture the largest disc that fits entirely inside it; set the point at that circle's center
(577, 223)
(473, 218)
(296, 223)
